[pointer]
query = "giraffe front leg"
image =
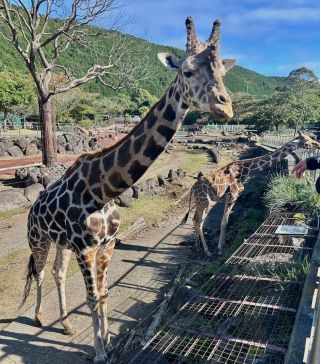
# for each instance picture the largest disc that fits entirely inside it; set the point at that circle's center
(198, 220)
(59, 272)
(103, 260)
(87, 263)
(227, 209)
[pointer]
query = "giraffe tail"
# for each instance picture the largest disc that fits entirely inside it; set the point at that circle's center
(31, 273)
(185, 219)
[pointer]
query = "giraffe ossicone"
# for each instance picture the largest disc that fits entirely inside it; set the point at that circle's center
(77, 212)
(226, 184)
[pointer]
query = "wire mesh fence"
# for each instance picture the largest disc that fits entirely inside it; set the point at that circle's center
(246, 311)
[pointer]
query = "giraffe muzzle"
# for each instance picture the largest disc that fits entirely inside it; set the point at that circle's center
(223, 111)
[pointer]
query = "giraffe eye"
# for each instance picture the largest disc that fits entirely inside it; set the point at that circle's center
(188, 74)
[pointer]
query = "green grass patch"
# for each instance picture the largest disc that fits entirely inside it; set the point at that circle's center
(153, 210)
(12, 212)
(288, 193)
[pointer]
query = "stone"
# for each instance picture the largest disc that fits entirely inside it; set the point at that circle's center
(12, 198)
(32, 192)
(214, 155)
(161, 180)
(22, 143)
(125, 199)
(3, 153)
(136, 191)
(181, 296)
(31, 149)
(15, 151)
(172, 175)
(152, 183)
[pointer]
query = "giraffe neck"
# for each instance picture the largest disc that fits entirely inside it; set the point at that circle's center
(250, 167)
(111, 171)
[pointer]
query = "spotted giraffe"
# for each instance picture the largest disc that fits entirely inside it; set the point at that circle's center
(77, 212)
(226, 184)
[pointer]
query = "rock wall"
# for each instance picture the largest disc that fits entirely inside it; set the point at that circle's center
(73, 143)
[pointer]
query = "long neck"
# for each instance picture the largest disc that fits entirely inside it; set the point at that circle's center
(114, 170)
(250, 167)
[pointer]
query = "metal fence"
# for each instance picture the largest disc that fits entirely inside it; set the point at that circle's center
(246, 311)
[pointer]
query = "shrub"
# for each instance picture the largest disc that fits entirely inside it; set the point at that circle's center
(288, 193)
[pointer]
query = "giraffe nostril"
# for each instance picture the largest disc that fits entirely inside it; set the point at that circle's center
(222, 99)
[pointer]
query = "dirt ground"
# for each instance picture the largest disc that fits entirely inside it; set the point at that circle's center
(142, 269)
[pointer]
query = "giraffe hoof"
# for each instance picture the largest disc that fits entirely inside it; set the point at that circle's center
(37, 322)
(68, 329)
(106, 340)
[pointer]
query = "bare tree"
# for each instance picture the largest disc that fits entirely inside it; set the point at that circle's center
(41, 43)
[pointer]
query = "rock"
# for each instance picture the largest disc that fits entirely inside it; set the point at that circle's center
(32, 192)
(15, 151)
(214, 155)
(152, 183)
(31, 149)
(161, 180)
(125, 199)
(4, 153)
(22, 143)
(136, 191)
(172, 175)
(181, 296)
(6, 143)
(12, 198)
(44, 175)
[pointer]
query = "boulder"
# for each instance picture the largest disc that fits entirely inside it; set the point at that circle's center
(151, 183)
(136, 191)
(6, 143)
(3, 153)
(214, 155)
(12, 198)
(181, 296)
(161, 180)
(15, 151)
(22, 143)
(125, 199)
(32, 192)
(31, 149)
(172, 175)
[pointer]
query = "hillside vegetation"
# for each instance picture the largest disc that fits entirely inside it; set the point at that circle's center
(238, 79)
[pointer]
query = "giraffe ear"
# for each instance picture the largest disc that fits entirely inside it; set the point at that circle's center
(228, 64)
(170, 61)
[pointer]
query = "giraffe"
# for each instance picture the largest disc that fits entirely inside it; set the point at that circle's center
(77, 212)
(226, 184)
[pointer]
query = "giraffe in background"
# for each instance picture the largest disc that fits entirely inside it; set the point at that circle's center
(226, 184)
(77, 212)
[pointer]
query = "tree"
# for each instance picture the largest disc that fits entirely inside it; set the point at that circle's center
(41, 43)
(244, 107)
(15, 91)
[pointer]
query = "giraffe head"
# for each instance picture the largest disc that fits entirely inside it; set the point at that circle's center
(200, 73)
(305, 141)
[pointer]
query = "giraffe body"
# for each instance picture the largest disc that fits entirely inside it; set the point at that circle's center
(77, 212)
(226, 185)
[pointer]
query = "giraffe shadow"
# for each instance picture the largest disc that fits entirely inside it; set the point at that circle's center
(25, 347)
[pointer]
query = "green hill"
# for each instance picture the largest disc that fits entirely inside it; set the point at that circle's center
(239, 79)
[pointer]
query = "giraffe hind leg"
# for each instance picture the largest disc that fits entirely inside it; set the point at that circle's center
(198, 220)
(59, 272)
(37, 261)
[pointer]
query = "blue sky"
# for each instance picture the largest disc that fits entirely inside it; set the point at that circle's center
(271, 37)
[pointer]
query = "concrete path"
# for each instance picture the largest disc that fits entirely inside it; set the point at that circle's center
(141, 272)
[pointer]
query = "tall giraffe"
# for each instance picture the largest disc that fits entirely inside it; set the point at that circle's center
(77, 212)
(226, 184)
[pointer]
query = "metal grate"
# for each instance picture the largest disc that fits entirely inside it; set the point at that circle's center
(245, 312)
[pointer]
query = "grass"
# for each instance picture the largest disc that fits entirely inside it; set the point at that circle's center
(153, 210)
(12, 212)
(289, 193)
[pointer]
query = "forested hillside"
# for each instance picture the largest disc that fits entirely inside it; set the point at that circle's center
(238, 79)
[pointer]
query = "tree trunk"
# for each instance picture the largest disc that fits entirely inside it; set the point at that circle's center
(48, 133)
(5, 120)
